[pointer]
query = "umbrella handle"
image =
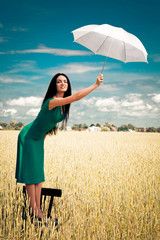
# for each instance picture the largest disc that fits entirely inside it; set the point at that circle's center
(103, 65)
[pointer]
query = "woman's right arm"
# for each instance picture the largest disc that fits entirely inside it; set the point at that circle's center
(76, 96)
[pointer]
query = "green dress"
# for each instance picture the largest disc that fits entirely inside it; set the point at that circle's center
(30, 145)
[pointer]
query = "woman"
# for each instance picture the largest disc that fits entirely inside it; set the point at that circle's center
(30, 146)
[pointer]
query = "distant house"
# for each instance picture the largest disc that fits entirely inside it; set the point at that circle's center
(94, 129)
(130, 130)
(141, 129)
(68, 128)
(113, 129)
(1, 127)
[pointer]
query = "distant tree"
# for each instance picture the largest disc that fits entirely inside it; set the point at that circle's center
(9, 127)
(75, 127)
(151, 129)
(107, 124)
(98, 124)
(17, 128)
(19, 124)
(132, 127)
(80, 126)
(12, 123)
(158, 129)
(85, 126)
(123, 128)
(105, 129)
(92, 125)
(3, 124)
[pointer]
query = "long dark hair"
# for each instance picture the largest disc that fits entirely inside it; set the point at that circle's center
(51, 91)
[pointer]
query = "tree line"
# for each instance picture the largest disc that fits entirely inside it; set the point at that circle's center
(106, 127)
(13, 125)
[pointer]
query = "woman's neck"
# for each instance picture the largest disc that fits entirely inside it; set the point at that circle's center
(59, 95)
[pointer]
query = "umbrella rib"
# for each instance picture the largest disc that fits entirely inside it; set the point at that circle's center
(124, 51)
(102, 44)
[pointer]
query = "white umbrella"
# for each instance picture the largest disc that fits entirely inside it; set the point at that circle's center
(111, 42)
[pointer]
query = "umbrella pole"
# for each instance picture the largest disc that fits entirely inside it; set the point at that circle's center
(103, 65)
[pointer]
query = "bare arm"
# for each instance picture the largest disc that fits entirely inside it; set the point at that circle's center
(77, 96)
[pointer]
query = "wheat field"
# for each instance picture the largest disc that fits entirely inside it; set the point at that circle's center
(110, 187)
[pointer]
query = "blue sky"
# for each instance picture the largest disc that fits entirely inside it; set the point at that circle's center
(36, 42)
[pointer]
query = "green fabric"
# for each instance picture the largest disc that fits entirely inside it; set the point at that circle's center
(30, 145)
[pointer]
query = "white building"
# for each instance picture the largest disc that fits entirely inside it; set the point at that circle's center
(68, 128)
(94, 129)
(130, 130)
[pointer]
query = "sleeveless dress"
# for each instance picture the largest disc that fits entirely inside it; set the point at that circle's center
(30, 145)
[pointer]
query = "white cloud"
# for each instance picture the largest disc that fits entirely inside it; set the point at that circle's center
(73, 68)
(133, 104)
(54, 51)
(107, 102)
(19, 29)
(156, 98)
(130, 105)
(15, 29)
(70, 68)
(77, 115)
(3, 39)
(124, 78)
(7, 79)
(155, 57)
(33, 112)
(9, 112)
(80, 113)
(25, 66)
(1, 104)
(134, 113)
(108, 88)
(133, 96)
(25, 101)
(89, 101)
(36, 77)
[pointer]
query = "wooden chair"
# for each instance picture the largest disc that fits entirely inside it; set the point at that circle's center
(50, 192)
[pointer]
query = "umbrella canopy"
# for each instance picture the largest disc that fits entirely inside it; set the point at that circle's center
(111, 42)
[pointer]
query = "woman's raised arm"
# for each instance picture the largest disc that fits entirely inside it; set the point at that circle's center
(76, 96)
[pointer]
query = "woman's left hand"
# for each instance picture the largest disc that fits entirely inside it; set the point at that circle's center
(99, 79)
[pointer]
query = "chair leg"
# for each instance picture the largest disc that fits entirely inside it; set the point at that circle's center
(50, 207)
(41, 201)
(24, 217)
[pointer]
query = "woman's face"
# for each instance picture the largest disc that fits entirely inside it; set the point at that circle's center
(61, 84)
